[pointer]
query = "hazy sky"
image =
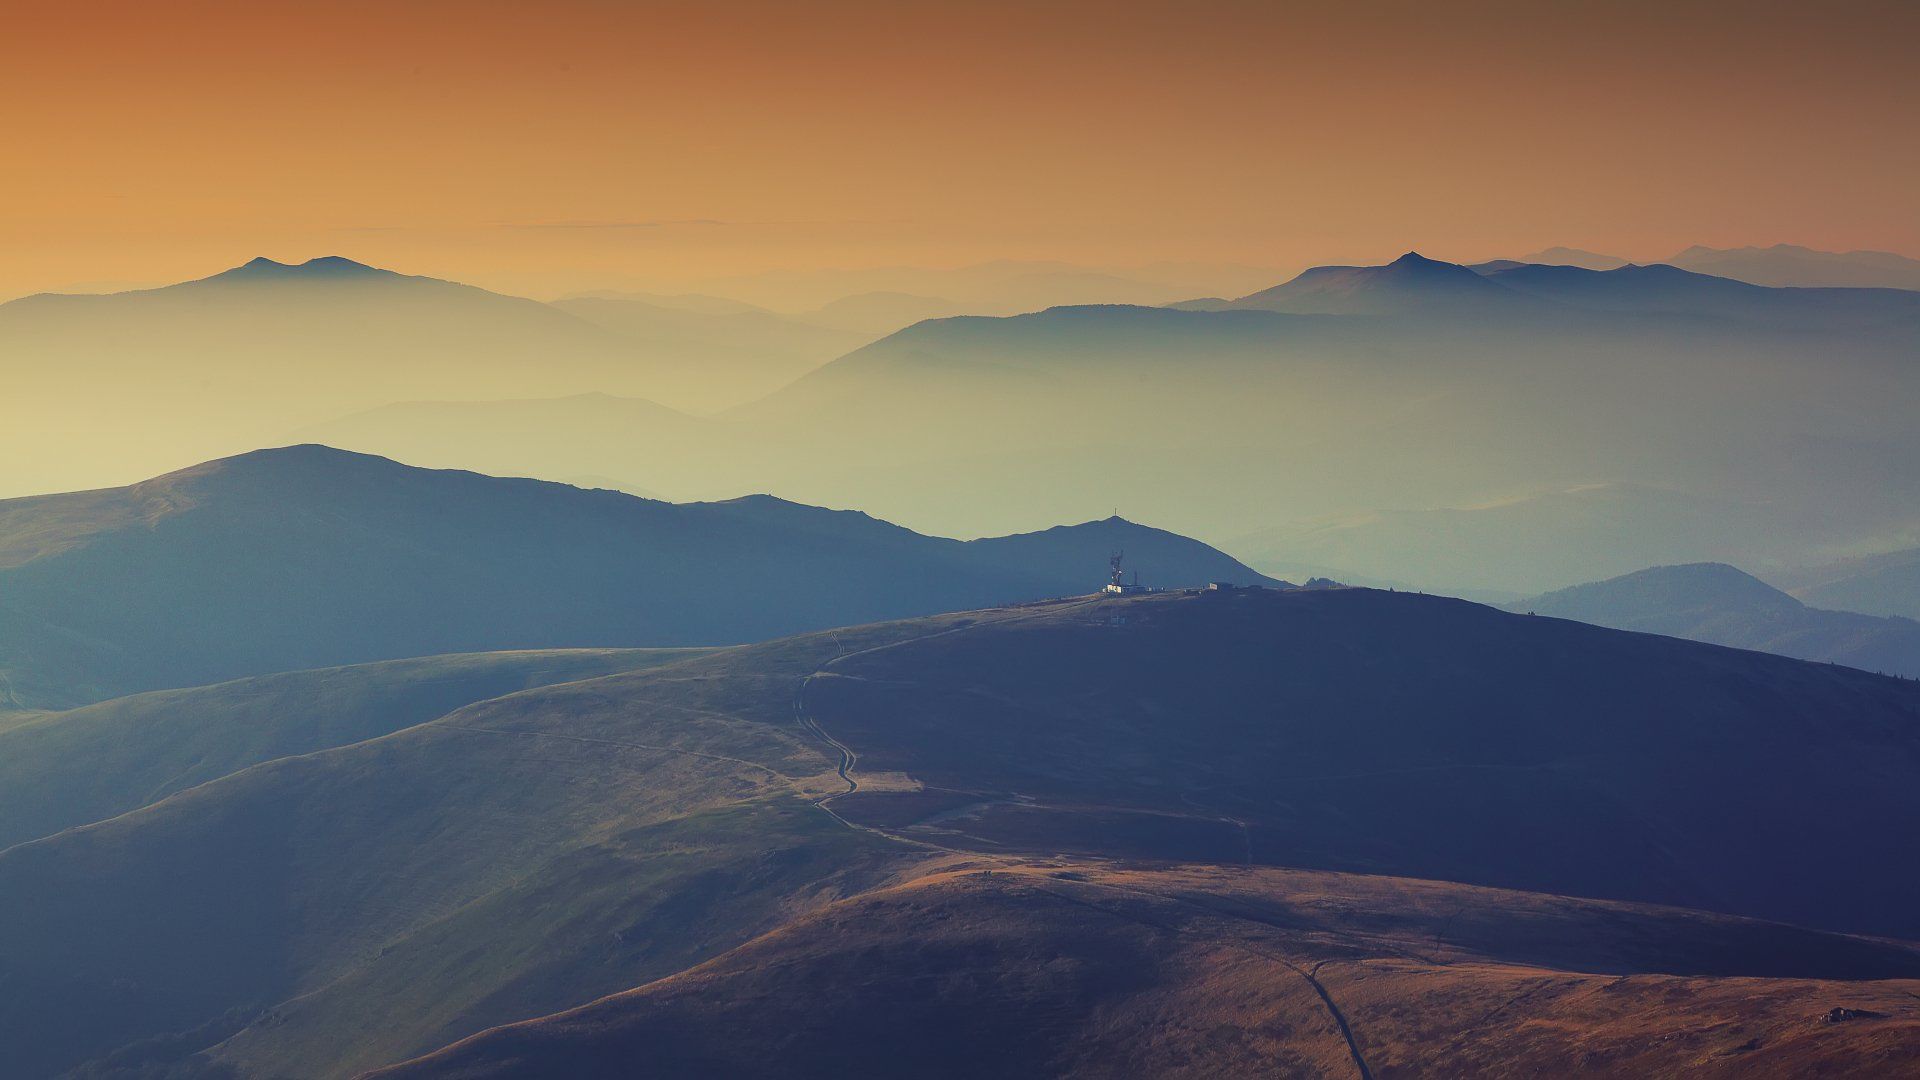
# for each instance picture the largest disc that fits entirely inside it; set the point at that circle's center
(547, 146)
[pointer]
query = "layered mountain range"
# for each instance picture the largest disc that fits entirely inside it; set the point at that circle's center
(1337, 832)
(1337, 420)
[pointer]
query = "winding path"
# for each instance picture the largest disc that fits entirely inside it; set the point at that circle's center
(849, 760)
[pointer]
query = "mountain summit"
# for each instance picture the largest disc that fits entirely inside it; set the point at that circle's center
(323, 268)
(1410, 284)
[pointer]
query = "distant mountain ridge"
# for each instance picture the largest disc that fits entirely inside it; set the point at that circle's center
(1717, 603)
(322, 267)
(1885, 584)
(307, 557)
(1530, 380)
(208, 367)
(1568, 256)
(321, 271)
(1791, 264)
(1407, 388)
(1415, 285)
(1663, 289)
(1775, 266)
(1410, 284)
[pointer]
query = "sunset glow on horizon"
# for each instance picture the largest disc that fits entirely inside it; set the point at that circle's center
(591, 143)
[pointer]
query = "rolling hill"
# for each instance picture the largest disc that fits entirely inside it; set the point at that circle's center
(310, 557)
(61, 770)
(1034, 971)
(1127, 768)
(1720, 604)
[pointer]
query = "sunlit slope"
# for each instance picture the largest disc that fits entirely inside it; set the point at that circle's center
(1032, 971)
(306, 557)
(515, 857)
(525, 855)
(65, 769)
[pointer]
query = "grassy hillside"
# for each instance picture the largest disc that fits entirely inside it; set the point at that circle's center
(1032, 971)
(65, 769)
(288, 877)
(641, 904)
(524, 855)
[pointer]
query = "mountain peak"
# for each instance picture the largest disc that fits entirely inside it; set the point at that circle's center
(324, 268)
(297, 461)
(1666, 589)
(1418, 266)
(1409, 283)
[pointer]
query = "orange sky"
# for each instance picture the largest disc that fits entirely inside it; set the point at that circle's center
(540, 147)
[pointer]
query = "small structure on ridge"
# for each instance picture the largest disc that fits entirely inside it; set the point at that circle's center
(1117, 578)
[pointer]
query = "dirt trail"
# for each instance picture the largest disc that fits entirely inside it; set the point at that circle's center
(849, 760)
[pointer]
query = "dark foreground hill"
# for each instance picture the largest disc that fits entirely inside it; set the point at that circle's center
(309, 557)
(356, 907)
(1718, 603)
